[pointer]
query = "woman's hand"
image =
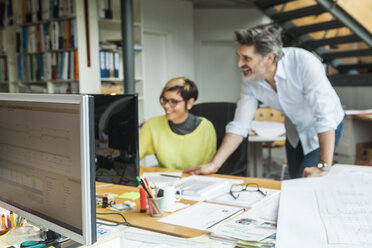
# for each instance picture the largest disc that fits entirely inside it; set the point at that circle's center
(203, 169)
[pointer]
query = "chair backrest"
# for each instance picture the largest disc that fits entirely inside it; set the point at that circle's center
(268, 114)
(221, 113)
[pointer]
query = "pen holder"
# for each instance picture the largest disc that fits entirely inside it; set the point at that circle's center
(155, 206)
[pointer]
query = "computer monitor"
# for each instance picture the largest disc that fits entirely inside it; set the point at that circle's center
(116, 133)
(47, 162)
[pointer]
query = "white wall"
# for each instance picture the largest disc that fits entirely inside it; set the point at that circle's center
(168, 50)
(217, 74)
(168, 47)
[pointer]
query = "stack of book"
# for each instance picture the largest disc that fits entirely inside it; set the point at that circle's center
(48, 66)
(41, 10)
(47, 36)
(3, 69)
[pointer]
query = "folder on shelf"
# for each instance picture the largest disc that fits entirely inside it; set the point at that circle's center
(46, 35)
(65, 60)
(111, 64)
(24, 39)
(108, 13)
(54, 34)
(76, 59)
(102, 63)
(45, 9)
(60, 35)
(28, 11)
(54, 65)
(73, 34)
(107, 64)
(47, 63)
(116, 64)
(71, 65)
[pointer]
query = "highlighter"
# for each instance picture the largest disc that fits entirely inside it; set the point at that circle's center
(12, 219)
(142, 201)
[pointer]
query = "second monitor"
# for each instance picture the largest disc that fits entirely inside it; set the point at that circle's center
(116, 134)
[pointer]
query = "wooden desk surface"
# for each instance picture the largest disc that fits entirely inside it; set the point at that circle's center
(143, 220)
(367, 117)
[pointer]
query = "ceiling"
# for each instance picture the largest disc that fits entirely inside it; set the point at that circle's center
(204, 4)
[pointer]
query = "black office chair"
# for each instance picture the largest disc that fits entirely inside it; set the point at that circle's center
(221, 113)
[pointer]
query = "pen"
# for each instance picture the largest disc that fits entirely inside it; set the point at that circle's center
(149, 193)
(147, 183)
(7, 222)
(167, 175)
(20, 223)
(240, 210)
(3, 222)
(140, 181)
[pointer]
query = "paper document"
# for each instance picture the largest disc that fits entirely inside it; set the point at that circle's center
(245, 228)
(246, 199)
(268, 128)
(358, 111)
(139, 238)
(160, 179)
(256, 225)
(335, 211)
(199, 188)
(201, 216)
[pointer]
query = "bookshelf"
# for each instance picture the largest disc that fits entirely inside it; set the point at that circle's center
(110, 46)
(4, 67)
(7, 59)
(55, 46)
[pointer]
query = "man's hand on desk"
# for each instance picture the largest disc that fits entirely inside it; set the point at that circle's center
(203, 169)
(313, 172)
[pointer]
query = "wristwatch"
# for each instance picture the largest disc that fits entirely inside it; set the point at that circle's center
(323, 166)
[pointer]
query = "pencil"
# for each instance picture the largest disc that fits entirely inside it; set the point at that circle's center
(167, 175)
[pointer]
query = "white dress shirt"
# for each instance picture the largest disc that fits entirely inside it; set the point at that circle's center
(304, 94)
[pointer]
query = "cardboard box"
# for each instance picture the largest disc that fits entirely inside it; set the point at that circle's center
(364, 154)
(111, 89)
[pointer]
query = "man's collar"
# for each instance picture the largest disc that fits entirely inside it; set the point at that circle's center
(280, 70)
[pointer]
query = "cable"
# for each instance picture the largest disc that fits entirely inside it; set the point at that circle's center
(126, 223)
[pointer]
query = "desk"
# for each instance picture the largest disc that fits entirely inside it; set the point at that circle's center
(144, 221)
(357, 129)
(255, 167)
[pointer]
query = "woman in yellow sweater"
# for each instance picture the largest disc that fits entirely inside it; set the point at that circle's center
(178, 139)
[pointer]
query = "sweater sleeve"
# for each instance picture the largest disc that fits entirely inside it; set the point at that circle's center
(146, 145)
(212, 142)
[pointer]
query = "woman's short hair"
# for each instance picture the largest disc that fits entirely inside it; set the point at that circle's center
(265, 39)
(184, 86)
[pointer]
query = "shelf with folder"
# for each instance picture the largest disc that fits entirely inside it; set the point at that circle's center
(110, 43)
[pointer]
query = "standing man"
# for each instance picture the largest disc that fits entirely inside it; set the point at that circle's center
(293, 81)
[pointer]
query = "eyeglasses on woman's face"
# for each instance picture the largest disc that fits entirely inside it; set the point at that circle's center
(172, 102)
(250, 187)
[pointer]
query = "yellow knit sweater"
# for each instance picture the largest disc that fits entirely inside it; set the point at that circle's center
(176, 151)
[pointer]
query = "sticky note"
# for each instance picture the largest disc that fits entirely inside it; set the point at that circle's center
(129, 195)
